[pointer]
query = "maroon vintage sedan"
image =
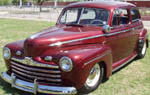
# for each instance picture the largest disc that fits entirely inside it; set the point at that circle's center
(89, 42)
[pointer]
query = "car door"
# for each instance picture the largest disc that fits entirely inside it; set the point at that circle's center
(136, 26)
(119, 36)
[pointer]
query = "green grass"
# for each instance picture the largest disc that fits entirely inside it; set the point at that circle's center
(134, 79)
(12, 30)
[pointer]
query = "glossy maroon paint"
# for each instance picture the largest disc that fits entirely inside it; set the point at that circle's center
(113, 50)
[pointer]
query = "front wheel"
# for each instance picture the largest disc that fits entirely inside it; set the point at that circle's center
(94, 79)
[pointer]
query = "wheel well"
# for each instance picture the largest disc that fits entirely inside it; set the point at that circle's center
(105, 70)
(147, 43)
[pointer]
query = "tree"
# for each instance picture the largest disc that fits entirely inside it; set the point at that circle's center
(20, 3)
(5, 2)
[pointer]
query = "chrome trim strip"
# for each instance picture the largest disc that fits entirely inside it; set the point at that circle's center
(65, 42)
(97, 58)
(102, 35)
(135, 20)
(30, 62)
(34, 87)
(35, 69)
(124, 63)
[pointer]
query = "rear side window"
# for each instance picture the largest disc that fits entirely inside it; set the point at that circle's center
(135, 15)
(121, 17)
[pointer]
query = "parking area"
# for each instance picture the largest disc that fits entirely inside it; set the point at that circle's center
(46, 13)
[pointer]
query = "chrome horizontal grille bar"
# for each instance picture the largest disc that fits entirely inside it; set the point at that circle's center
(36, 73)
(26, 71)
(33, 63)
(36, 69)
(36, 77)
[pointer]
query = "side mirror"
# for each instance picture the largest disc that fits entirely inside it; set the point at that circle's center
(106, 28)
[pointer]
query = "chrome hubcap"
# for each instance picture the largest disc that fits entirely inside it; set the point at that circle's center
(94, 76)
(144, 49)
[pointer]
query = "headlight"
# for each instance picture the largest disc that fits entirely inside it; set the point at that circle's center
(6, 53)
(66, 64)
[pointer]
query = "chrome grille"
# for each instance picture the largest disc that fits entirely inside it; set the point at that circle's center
(47, 75)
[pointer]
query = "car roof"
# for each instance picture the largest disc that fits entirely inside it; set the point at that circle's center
(101, 4)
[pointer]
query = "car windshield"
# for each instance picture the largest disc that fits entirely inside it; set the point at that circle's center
(84, 16)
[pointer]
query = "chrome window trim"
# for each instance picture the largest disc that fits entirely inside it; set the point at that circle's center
(86, 38)
(83, 8)
(135, 20)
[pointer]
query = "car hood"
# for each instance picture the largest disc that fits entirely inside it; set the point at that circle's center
(60, 33)
(65, 33)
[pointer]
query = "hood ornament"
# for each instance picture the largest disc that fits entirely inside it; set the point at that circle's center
(18, 53)
(28, 60)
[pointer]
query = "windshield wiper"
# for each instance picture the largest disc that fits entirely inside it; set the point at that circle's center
(72, 24)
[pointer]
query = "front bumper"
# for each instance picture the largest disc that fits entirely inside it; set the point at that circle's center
(35, 87)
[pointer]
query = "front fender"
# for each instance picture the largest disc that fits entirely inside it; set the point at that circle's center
(14, 47)
(84, 57)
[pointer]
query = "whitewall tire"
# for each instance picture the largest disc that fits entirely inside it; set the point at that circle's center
(94, 79)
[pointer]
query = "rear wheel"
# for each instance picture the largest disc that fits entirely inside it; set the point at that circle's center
(94, 79)
(142, 47)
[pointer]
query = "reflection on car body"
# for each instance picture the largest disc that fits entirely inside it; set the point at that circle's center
(89, 42)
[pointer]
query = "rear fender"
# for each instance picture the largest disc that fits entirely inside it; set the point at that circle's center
(143, 35)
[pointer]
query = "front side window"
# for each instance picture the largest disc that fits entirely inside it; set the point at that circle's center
(135, 14)
(121, 17)
(85, 16)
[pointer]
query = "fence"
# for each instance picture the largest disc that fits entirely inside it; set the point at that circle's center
(47, 13)
(145, 13)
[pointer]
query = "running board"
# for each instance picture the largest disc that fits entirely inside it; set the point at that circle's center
(115, 69)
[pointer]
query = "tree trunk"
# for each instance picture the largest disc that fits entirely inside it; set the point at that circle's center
(20, 3)
(55, 3)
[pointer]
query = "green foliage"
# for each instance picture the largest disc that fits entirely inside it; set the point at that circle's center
(5, 2)
(16, 2)
(1, 2)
